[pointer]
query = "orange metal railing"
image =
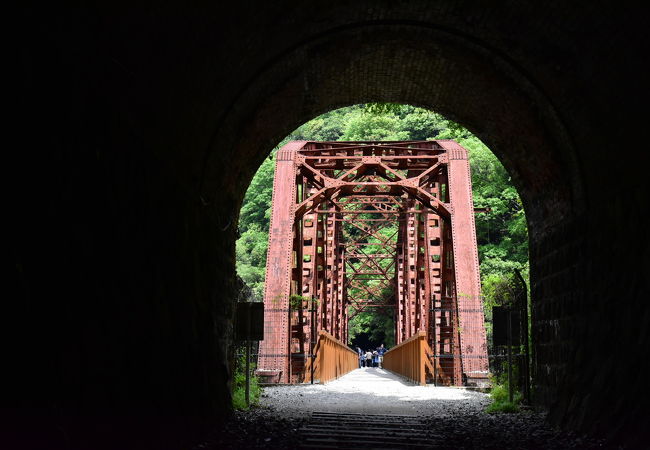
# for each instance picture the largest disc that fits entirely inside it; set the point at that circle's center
(410, 358)
(333, 359)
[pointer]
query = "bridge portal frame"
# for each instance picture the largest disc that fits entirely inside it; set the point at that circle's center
(321, 186)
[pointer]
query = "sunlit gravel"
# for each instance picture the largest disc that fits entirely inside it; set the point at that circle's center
(371, 391)
(455, 418)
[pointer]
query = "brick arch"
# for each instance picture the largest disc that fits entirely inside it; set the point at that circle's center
(470, 83)
(412, 63)
(441, 71)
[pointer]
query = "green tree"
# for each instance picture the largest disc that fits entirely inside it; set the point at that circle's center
(362, 126)
(256, 208)
(251, 258)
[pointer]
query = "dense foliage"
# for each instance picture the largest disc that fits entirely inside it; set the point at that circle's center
(501, 232)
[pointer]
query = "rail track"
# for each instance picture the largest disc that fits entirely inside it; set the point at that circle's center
(369, 431)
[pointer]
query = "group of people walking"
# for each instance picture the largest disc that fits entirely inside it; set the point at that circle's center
(371, 358)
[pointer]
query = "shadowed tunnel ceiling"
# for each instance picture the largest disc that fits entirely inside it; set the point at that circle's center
(139, 130)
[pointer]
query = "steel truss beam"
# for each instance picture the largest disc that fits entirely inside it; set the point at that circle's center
(388, 225)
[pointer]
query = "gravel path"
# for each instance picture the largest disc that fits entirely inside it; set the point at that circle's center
(454, 418)
(371, 391)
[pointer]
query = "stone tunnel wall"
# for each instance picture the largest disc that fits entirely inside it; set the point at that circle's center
(119, 330)
(135, 135)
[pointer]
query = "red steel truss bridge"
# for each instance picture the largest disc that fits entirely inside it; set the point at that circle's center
(360, 225)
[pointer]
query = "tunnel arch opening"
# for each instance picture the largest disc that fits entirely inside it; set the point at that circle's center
(371, 317)
(463, 80)
(420, 66)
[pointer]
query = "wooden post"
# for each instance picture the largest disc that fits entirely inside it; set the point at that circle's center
(510, 387)
(523, 299)
(248, 371)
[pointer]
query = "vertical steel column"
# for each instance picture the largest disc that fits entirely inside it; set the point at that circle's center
(340, 277)
(330, 294)
(400, 283)
(473, 346)
(433, 246)
(274, 349)
(432, 252)
(423, 277)
(411, 270)
(307, 267)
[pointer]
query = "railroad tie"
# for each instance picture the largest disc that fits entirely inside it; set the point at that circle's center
(345, 430)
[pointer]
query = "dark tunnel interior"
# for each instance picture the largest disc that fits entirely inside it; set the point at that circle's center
(136, 132)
